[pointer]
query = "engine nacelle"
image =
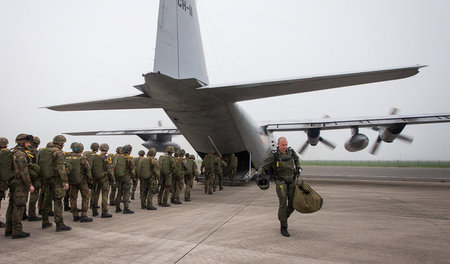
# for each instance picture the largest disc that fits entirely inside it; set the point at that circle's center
(356, 142)
(390, 133)
(313, 136)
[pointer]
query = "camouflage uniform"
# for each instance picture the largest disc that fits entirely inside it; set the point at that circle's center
(207, 169)
(284, 168)
(6, 171)
(233, 166)
(18, 188)
(149, 172)
(102, 175)
(218, 171)
(35, 180)
(80, 178)
(54, 174)
(138, 159)
(91, 156)
(167, 165)
(191, 172)
(124, 172)
(178, 177)
(113, 184)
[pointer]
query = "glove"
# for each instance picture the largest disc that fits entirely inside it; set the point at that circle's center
(298, 170)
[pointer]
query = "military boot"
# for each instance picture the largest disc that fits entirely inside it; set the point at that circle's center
(8, 233)
(24, 216)
(94, 213)
(152, 208)
(63, 227)
(284, 231)
(165, 205)
(85, 219)
(21, 235)
(177, 202)
(51, 213)
(118, 210)
(67, 208)
(106, 215)
(34, 218)
(46, 225)
(2, 225)
(127, 211)
(76, 218)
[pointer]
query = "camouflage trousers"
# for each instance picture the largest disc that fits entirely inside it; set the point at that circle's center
(148, 186)
(232, 175)
(100, 185)
(177, 186)
(123, 192)
(18, 197)
(85, 196)
(163, 195)
(209, 180)
(112, 195)
(34, 197)
(189, 182)
(218, 179)
(285, 193)
(54, 192)
(133, 189)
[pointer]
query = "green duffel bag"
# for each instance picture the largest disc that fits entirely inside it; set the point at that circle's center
(306, 200)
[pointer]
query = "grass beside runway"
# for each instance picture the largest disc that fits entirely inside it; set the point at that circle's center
(379, 163)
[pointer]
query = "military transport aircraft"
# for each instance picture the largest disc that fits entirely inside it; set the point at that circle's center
(209, 117)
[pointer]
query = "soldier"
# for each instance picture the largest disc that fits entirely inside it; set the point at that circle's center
(124, 172)
(18, 188)
(285, 165)
(191, 172)
(113, 184)
(233, 166)
(207, 169)
(102, 175)
(53, 172)
(218, 171)
(80, 179)
(141, 154)
(178, 177)
(167, 165)
(6, 171)
(42, 194)
(148, 169)
(35, 180)
(91, 156)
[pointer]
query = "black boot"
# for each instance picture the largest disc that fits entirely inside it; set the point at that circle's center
(106, 215)
(165, 205)
(152, 208)
(284, 231)
(21, 235)
(118, 210)
(51, 213)
(94, 213)
(46, 225)
(8, 233)
(67, 208)
(25, 217)
(34, 218)
(76, 218)
(63, 227)
(85, 219)
(127, 211)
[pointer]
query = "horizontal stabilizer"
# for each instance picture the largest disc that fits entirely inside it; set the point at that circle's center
(242, 92)
(132, 102)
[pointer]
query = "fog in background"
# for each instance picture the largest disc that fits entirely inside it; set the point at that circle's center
(59, 51)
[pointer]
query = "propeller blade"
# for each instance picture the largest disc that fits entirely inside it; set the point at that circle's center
(327, 143)
(394, 111)
(303, 148)
(405, 138)
(376, 145)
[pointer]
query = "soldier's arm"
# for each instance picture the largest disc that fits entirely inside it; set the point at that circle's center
(21, 167)
(60, 166)
(156, 169)
(224, 163)
(195, 169)
(87, 170)
(132, 168)
(266, 164)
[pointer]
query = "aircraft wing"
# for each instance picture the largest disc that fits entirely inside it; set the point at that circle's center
(242, 92)
(132, 102)
(327, 124)
(138, 132)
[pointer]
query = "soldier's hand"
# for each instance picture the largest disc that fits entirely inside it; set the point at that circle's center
(90, 185)
(66, 186)
(31, 188)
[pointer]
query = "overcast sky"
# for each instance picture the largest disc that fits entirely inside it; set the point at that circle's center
(56, 51)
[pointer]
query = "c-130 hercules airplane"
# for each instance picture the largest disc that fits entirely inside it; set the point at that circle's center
(209, 117)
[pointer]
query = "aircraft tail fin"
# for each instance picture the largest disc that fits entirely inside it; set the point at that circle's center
(179, 49)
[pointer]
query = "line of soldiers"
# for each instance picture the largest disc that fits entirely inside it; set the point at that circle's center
(52, 176)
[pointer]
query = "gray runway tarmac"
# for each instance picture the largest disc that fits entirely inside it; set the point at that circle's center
(365, 219)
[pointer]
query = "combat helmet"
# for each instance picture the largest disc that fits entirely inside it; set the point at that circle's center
(21, 138)
(104, 147)
(263, 182)
(141, 153)
(3, 142)
(119, 150)
(94, 146)
(36, 141)
(151, 152)
(170, 149)
(77, 147)
(127, 149)
(59, 140)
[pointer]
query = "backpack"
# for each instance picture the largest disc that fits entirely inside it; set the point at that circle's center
(45, 162)
(6, 165)
(97, 166)
(74, 170)
(120, 165)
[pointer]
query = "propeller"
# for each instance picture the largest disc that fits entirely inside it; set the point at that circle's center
(314, 138)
